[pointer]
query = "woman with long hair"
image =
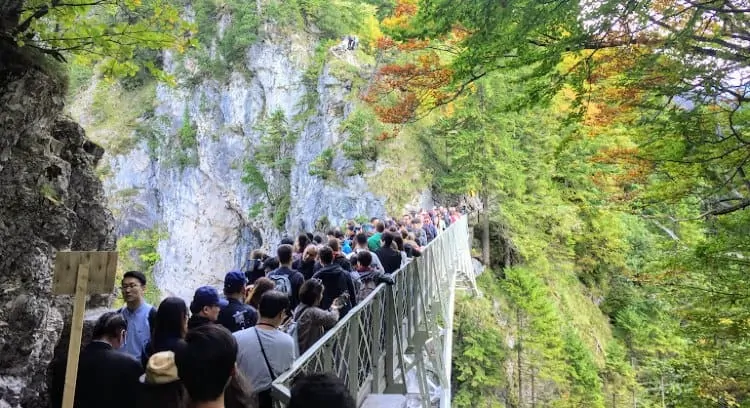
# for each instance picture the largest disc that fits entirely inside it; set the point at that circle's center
(312, 321)
(170, 327)
(299, 247)
(262, 285)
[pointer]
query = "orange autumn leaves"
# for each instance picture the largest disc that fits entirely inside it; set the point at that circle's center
(612, 104)
(418, 80)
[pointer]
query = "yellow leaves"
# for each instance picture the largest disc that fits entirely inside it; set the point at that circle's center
(402, 14)
(726, 321)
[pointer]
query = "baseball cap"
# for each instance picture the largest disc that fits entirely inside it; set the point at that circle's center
(207, 296)
(161, 369)
(234, 280)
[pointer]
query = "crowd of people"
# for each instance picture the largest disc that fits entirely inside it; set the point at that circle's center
(225, 351)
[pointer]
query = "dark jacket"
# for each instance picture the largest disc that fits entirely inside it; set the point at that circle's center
(336, 282)
(254, 270)
(106, 378)
(197, 320)
(295, 278)
(306, 268)
(411, 252)
(158, 345)
(340, 260)
(389, 258)
(237, 316)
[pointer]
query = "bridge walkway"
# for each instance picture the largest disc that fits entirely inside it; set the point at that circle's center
(394, 348)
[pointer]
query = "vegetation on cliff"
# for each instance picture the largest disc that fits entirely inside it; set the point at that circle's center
(611, 163)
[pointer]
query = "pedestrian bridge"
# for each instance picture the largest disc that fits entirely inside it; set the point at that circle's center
(394, 348)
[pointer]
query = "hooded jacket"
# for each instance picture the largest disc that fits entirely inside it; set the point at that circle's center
(336, 282)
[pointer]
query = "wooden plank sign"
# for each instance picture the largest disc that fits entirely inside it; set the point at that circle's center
(102, 271)
(79, 274)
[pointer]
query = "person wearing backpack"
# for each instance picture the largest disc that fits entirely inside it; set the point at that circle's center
(336, 281)
(286, 279)
(369, 277)
(310, 322)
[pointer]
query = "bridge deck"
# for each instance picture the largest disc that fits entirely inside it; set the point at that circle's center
(399, 335)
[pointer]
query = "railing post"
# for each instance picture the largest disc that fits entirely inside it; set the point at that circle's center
(352, 349)
(328, 358)
(377, 333)
(390, 324)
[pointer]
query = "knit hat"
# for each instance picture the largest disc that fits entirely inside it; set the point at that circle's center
(161, 369)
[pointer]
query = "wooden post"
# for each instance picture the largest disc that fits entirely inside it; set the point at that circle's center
(81, 273)
(76, 331)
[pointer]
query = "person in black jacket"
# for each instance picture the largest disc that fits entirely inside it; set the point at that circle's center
(107, 377)
(389, 257)
(306, 264)
(236, 315)
(338, 258)
(336, 281)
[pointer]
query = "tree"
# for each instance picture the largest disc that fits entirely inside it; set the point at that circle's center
(107, 31)
(538, 342)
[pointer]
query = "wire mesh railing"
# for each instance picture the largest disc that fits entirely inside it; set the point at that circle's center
(369, 348)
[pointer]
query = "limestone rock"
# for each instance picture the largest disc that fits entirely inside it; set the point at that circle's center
(204, 209)
(50, 200)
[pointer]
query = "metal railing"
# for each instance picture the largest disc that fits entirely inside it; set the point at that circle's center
(397, 328)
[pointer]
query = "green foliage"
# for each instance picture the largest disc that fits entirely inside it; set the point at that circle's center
(360, 147)
(139, 251)
(187, 133)
(269, 171)
(281, 211)
(117, 114)
(477, 354)
(332, 18)
(256, 210)
(111, 34)
(185, 154)
(253, 177)
(322, 166)
(241, 33)
(582, 373)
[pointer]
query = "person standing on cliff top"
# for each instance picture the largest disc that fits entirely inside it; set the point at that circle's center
(138, 314)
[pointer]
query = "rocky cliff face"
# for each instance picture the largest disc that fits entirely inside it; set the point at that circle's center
(197, 195)
(50, 201)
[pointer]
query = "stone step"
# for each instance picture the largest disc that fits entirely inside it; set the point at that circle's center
(384, 401)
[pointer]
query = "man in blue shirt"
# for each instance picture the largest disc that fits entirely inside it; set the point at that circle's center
(137, 313)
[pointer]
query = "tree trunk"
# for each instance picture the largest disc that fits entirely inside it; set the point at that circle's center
(485, 225)
(518, 357)
(533, 389)
(614, 398)
(635, 398)
(661, 388)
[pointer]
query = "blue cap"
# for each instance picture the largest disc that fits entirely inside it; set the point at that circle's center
(235, 280)
(207, 296)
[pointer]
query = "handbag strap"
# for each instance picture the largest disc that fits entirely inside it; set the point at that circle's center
(300, 313)
(265, 358)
